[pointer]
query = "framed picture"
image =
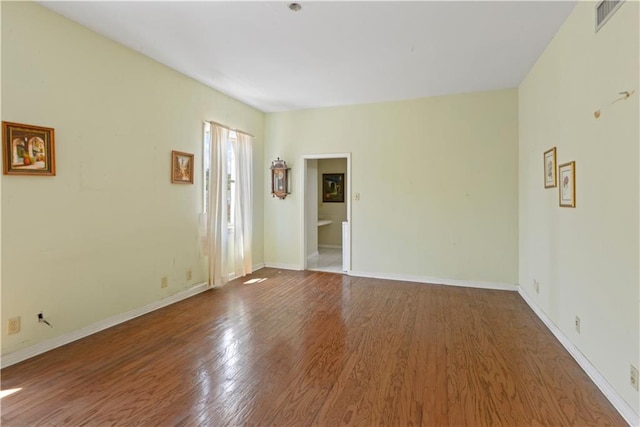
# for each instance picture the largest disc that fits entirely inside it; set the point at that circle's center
(567, 173)
(550, 178)
(181, 167)
(28, 149)
(333, 187)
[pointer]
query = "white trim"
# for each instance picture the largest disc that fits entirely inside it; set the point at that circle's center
(330, 246)
(346, 246)
(437, 281)
(42, 347)
(232, 276)
(282, 266)
(600, 381)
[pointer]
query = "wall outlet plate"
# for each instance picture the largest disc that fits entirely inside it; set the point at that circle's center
(633, 379)
(164, 282)
(13, 326)
(189, 274)
(577, 324)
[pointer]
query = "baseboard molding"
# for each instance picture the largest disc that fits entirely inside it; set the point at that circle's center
(330, 246)
(233, 276)
(600, 381)
(436, 281)
(42, 347)
(294, 267)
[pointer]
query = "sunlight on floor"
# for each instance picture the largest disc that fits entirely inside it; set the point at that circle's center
(254, 281)
(5, 393)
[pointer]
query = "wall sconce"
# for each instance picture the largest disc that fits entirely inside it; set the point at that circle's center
(280, 182)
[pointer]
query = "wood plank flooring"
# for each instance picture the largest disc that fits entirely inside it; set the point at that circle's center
(312, 348)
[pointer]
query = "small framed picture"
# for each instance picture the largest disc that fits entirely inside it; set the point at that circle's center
(567, 174)
(333, 187)
(181, 167)
(28, 149)
(550, 178)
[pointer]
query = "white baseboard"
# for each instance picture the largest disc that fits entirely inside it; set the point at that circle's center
(42, 347)
(436, 281)
(330, 246)
(600, 381)
(283, 266)
(257, 267)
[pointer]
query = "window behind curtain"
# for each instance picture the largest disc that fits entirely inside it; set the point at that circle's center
(231, 175)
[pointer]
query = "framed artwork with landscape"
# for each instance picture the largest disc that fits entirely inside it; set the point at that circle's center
(28, 149)
(181, 167)
(333, 187)
(550, 178)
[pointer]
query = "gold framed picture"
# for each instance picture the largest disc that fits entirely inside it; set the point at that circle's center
(28, 149)
(333, 188)
(181, 167)
(567, 174)
(550, 177)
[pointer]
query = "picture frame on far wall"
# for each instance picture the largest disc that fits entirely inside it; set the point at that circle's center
(181, 167)
(28, 149)
(550, 177)
(333, 188)
(567, 174)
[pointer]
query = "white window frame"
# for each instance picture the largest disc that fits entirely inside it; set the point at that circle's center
(231, 169)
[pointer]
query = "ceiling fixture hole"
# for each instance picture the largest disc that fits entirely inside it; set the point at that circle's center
(295, 6)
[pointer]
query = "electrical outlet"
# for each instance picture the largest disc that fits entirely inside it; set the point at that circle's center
(577, 324)
(536, 286)
(189, 274)
(164, 282)
(357, 196)
(634, 377)
(14, 325)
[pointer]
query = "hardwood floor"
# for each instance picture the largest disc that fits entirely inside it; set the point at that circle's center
(311, 348)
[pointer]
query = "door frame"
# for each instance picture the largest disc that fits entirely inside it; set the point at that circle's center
(303, 206)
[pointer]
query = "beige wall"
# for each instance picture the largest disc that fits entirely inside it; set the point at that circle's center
(331, 235)
(437, 177)
(586, 259)
(1, 309)
(95, 240)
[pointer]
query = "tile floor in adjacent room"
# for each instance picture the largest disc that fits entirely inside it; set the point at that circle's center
(328, 259)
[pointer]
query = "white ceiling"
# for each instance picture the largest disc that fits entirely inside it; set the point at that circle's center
(333, 53)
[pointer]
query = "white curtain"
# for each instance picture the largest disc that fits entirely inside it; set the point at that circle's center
(243, 209)
(217, 230)
(229, 249)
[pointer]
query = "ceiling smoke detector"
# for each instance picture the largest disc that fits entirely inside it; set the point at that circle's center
(295, 7)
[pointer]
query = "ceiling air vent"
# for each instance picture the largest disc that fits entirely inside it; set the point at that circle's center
(604, 10)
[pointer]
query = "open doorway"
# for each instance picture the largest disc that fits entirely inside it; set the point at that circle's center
(326, 219)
